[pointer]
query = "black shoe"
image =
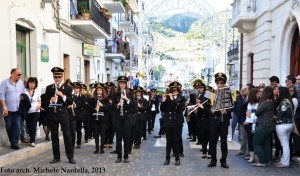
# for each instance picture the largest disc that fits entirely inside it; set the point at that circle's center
(177, 163)
(167, 162)
(198, 143)
(16, 147)
(144, 138)
(126, 160)
(86, 141)
(138, 147)
(149, 132)
(224, 165)
(212, 164)
(158, 136)
(47, 138)
(152, 130)
(201, 150)
(54, 161)
(72, 161)
(101, 151)
(192, 140)
(204, 156)
(181, 155)
(95, 152)
(114, 152)
(118, 160)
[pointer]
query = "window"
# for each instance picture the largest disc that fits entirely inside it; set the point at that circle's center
(22, 50)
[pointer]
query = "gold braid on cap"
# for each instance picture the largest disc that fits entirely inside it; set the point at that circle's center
(195, 81)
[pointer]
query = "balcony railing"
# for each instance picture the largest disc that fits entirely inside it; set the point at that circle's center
(233, 51)
(98, 17)
(115, 47)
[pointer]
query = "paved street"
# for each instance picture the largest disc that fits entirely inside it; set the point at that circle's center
(146, 161)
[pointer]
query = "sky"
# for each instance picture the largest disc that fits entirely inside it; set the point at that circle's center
(220, 5)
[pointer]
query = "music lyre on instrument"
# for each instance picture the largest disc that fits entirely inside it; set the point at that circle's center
(223, 100)
(55, 105)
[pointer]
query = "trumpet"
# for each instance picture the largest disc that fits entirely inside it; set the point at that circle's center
(193, 108)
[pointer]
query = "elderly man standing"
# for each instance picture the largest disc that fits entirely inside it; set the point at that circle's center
(10, 92)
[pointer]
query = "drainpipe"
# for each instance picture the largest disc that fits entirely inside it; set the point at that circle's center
(241, 59)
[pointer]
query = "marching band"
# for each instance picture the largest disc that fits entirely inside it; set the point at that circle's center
(106, 111)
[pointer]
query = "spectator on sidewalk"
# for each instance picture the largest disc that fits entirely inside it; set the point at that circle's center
(264, 127)
(261, 85)
(237, 113)
(10, 91)
(290, 79)
(34, 111)
(274, 81)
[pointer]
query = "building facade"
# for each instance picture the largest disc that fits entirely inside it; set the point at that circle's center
(269, 38)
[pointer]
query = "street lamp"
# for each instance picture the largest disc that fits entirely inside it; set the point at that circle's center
(122, 64)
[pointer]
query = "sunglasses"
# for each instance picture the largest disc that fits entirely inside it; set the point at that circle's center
(56, 77)
(220, 82)
(19, 74)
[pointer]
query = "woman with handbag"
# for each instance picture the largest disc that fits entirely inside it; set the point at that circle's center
(173, 105)
(249, 124)
(284, 124)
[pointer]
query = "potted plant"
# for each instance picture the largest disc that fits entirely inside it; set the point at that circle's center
(124, 2)
(84, 10)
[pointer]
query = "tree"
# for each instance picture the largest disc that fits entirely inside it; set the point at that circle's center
(159, 71)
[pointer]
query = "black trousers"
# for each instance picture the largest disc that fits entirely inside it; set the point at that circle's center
(138, 132)
(152, 115)
(79, 124)
(173, 135)
(149, 123)
(296, 139)
(193, 127)
(91, 126)
(123, 132)
(219, 129)
(69, 148)
(162, 129)
(86, 127)
(31, 123)
(205, 140)
(99, 131)
(109, 132)
(72, 124)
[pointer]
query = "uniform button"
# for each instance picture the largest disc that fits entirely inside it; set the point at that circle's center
(170, 113)
(169, 117)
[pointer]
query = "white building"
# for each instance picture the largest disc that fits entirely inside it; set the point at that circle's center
(269, 40)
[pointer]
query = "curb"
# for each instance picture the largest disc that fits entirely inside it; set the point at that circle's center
(24, 153)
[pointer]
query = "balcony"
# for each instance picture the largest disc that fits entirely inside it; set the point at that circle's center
(95, 27)
(116, 50)
(134, 5)
(126, 20)
(113, 7)
(243, 15)
(233, 51)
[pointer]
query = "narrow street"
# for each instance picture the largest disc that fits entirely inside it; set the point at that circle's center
(146, 161)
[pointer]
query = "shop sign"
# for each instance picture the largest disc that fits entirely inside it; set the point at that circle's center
(44, 53)
(90, 50)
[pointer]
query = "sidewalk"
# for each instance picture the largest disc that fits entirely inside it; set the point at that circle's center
(9, 156)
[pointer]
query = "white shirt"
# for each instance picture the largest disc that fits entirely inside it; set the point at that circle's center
(34, 100)
(253, 117)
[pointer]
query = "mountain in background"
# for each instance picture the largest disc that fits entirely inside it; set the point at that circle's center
(181, 22)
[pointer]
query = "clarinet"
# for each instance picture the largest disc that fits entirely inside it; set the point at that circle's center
(122, 103)
(98, 102)
(54, 108)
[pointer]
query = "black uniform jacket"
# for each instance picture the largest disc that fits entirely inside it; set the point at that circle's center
(173, 111)
(204, 115)
(128, 108)
(154, 101)
(105, 108)
(142, 111)
(62, 112)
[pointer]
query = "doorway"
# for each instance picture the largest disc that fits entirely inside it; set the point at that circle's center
(295, 53)
(87, 72)
(66, 67)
